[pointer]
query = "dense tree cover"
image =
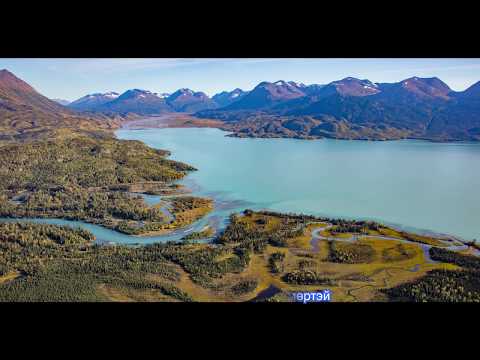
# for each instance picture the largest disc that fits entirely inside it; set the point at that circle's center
(204, 264)
(256, 236)
(53, 263)
(275, 262)
(57, 263)
(307, 277)
(439, 286)
(302, 218)
(239, 232)
(340, 225)
(305, 264)
(244, 287)
(76, 178)
(149, 188)
(465, 261)
(185, 203)
(361, 227)
(116, 210)
(341, 252)
(443, 285)
(84, 162)
(49, 285)
(183, 210)
(197, 235)
(99, 207)
(22, 246)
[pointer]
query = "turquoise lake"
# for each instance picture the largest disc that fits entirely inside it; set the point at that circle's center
(417, 185)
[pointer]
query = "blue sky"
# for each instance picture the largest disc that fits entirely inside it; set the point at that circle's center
(73, 78)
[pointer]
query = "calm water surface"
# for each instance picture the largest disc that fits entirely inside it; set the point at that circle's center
(415, 184)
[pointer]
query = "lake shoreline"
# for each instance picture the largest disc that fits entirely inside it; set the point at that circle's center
(186, 120)
(403, 225)
(167, 233)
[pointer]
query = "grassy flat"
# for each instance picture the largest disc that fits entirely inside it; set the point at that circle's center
(256, 252)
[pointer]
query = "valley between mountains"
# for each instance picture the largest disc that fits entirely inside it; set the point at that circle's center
(65, 162)
(416, 108)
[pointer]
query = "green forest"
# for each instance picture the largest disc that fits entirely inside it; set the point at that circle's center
(461, 285)
(56, 263)
(100, 180)
(81, 178)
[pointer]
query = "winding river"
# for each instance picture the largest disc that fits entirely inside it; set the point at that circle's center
(416, 186)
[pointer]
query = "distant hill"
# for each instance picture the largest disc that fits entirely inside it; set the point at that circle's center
(409, 104)
(92, 102)
(141, 102)
(25, 114)
(137, 101)
(266, 95)
(226, 98)
(186, 100)
(349, 108)
(348, 87)
(461, 118)
(17, 95)
(61, 102)
(358, 109)
(144, 102)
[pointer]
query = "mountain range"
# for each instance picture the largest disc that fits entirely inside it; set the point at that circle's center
(92, 101)
(145, 102)
(355, 109)
(226, 98)
(424, 108)
(186, 100)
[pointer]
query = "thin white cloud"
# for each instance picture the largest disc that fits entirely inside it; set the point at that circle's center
(128, 64)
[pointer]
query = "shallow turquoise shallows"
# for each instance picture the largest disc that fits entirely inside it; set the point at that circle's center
(415, 184)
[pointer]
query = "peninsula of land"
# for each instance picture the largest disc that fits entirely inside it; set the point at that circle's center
(54, 163)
